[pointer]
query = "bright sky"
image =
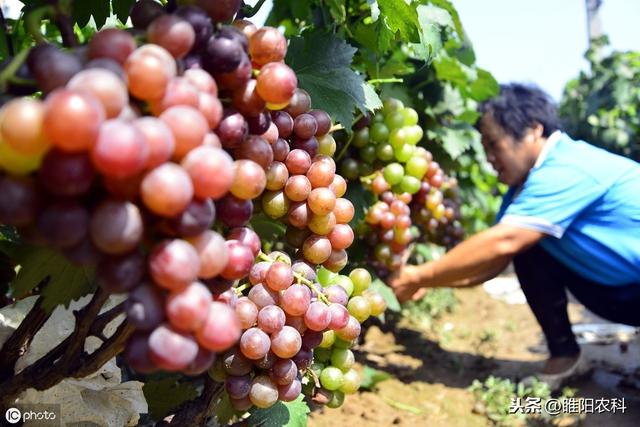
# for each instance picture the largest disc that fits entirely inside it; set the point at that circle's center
(542, 41)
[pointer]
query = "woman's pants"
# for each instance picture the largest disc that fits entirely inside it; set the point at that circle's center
(544, 281)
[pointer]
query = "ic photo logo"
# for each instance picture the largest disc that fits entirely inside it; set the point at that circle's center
(35, 413)
(13, 415)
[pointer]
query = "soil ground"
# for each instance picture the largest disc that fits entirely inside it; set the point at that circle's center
(433, 365)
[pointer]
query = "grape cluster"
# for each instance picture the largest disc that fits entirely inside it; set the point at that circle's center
(287, 314)
(416, 199)
(146, 162)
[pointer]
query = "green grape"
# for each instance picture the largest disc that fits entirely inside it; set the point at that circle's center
(337, 400)
(326, 145)
(349, 168)
(379, 132)
(365, 169)
(394, 120)
(343, 281)
(404, 153)
(325, 276)
(342, 358)
(331, 378)
(410, 116)
(340, 343)
(360, 138)
(398, 137)
(351, 382)
(393, 173)
(385, 152)
(16, 163)
(396, 189)
(361, 280)
(414, 134)
(275, 204)
(382, 252)
(378, 118)
(391, 104)
(359, 308)
(368, 153)
(410, 184)
(328, 338)
(417, 166)
(321, 354)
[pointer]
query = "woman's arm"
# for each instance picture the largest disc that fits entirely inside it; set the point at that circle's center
(473, 261)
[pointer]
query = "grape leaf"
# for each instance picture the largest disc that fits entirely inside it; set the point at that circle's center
(121, 9)
(66, 281)
(224, 410)
(8, 233)
(322, 62)
(165, 395)
(484, 86)
(361, 199)
(371, 377)
(267, 228)
(282, 414)
(387, 294)
(400, 17)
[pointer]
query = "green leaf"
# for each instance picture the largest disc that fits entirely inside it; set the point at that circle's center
(371, 377)
(322, 63)
(165, 395)
(430, 36)
(453, 19)
(361, 200)
(82, 12)
(387, 294)
(224, 410)
(455, 141)
(452, 70)
(99, 9)
(282, 414)
(337, 10)
(121, 9)
(8, 233)
(66, 282)
(267, 228)
(401, 18)
(485, 86)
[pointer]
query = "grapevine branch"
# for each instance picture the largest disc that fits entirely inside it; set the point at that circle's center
(21, 338)
(68, 359)
(300, 278)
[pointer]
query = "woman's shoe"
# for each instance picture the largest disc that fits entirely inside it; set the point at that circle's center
(578, 369)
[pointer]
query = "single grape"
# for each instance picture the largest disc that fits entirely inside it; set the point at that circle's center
(221, 330)
(171, 349)
(255, 343)
(188, 308)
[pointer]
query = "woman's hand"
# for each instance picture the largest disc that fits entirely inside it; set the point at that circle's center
(407, 283)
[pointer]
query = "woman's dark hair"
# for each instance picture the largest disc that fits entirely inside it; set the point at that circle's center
(519, 107)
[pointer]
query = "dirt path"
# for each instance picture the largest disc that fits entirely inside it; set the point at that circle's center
(433, 366)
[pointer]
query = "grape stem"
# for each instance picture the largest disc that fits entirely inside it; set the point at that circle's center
(300, 278)
(346, 146)
(33, 21)
(248, 11)
(11, 69)
(240, 289)
(381, 81)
